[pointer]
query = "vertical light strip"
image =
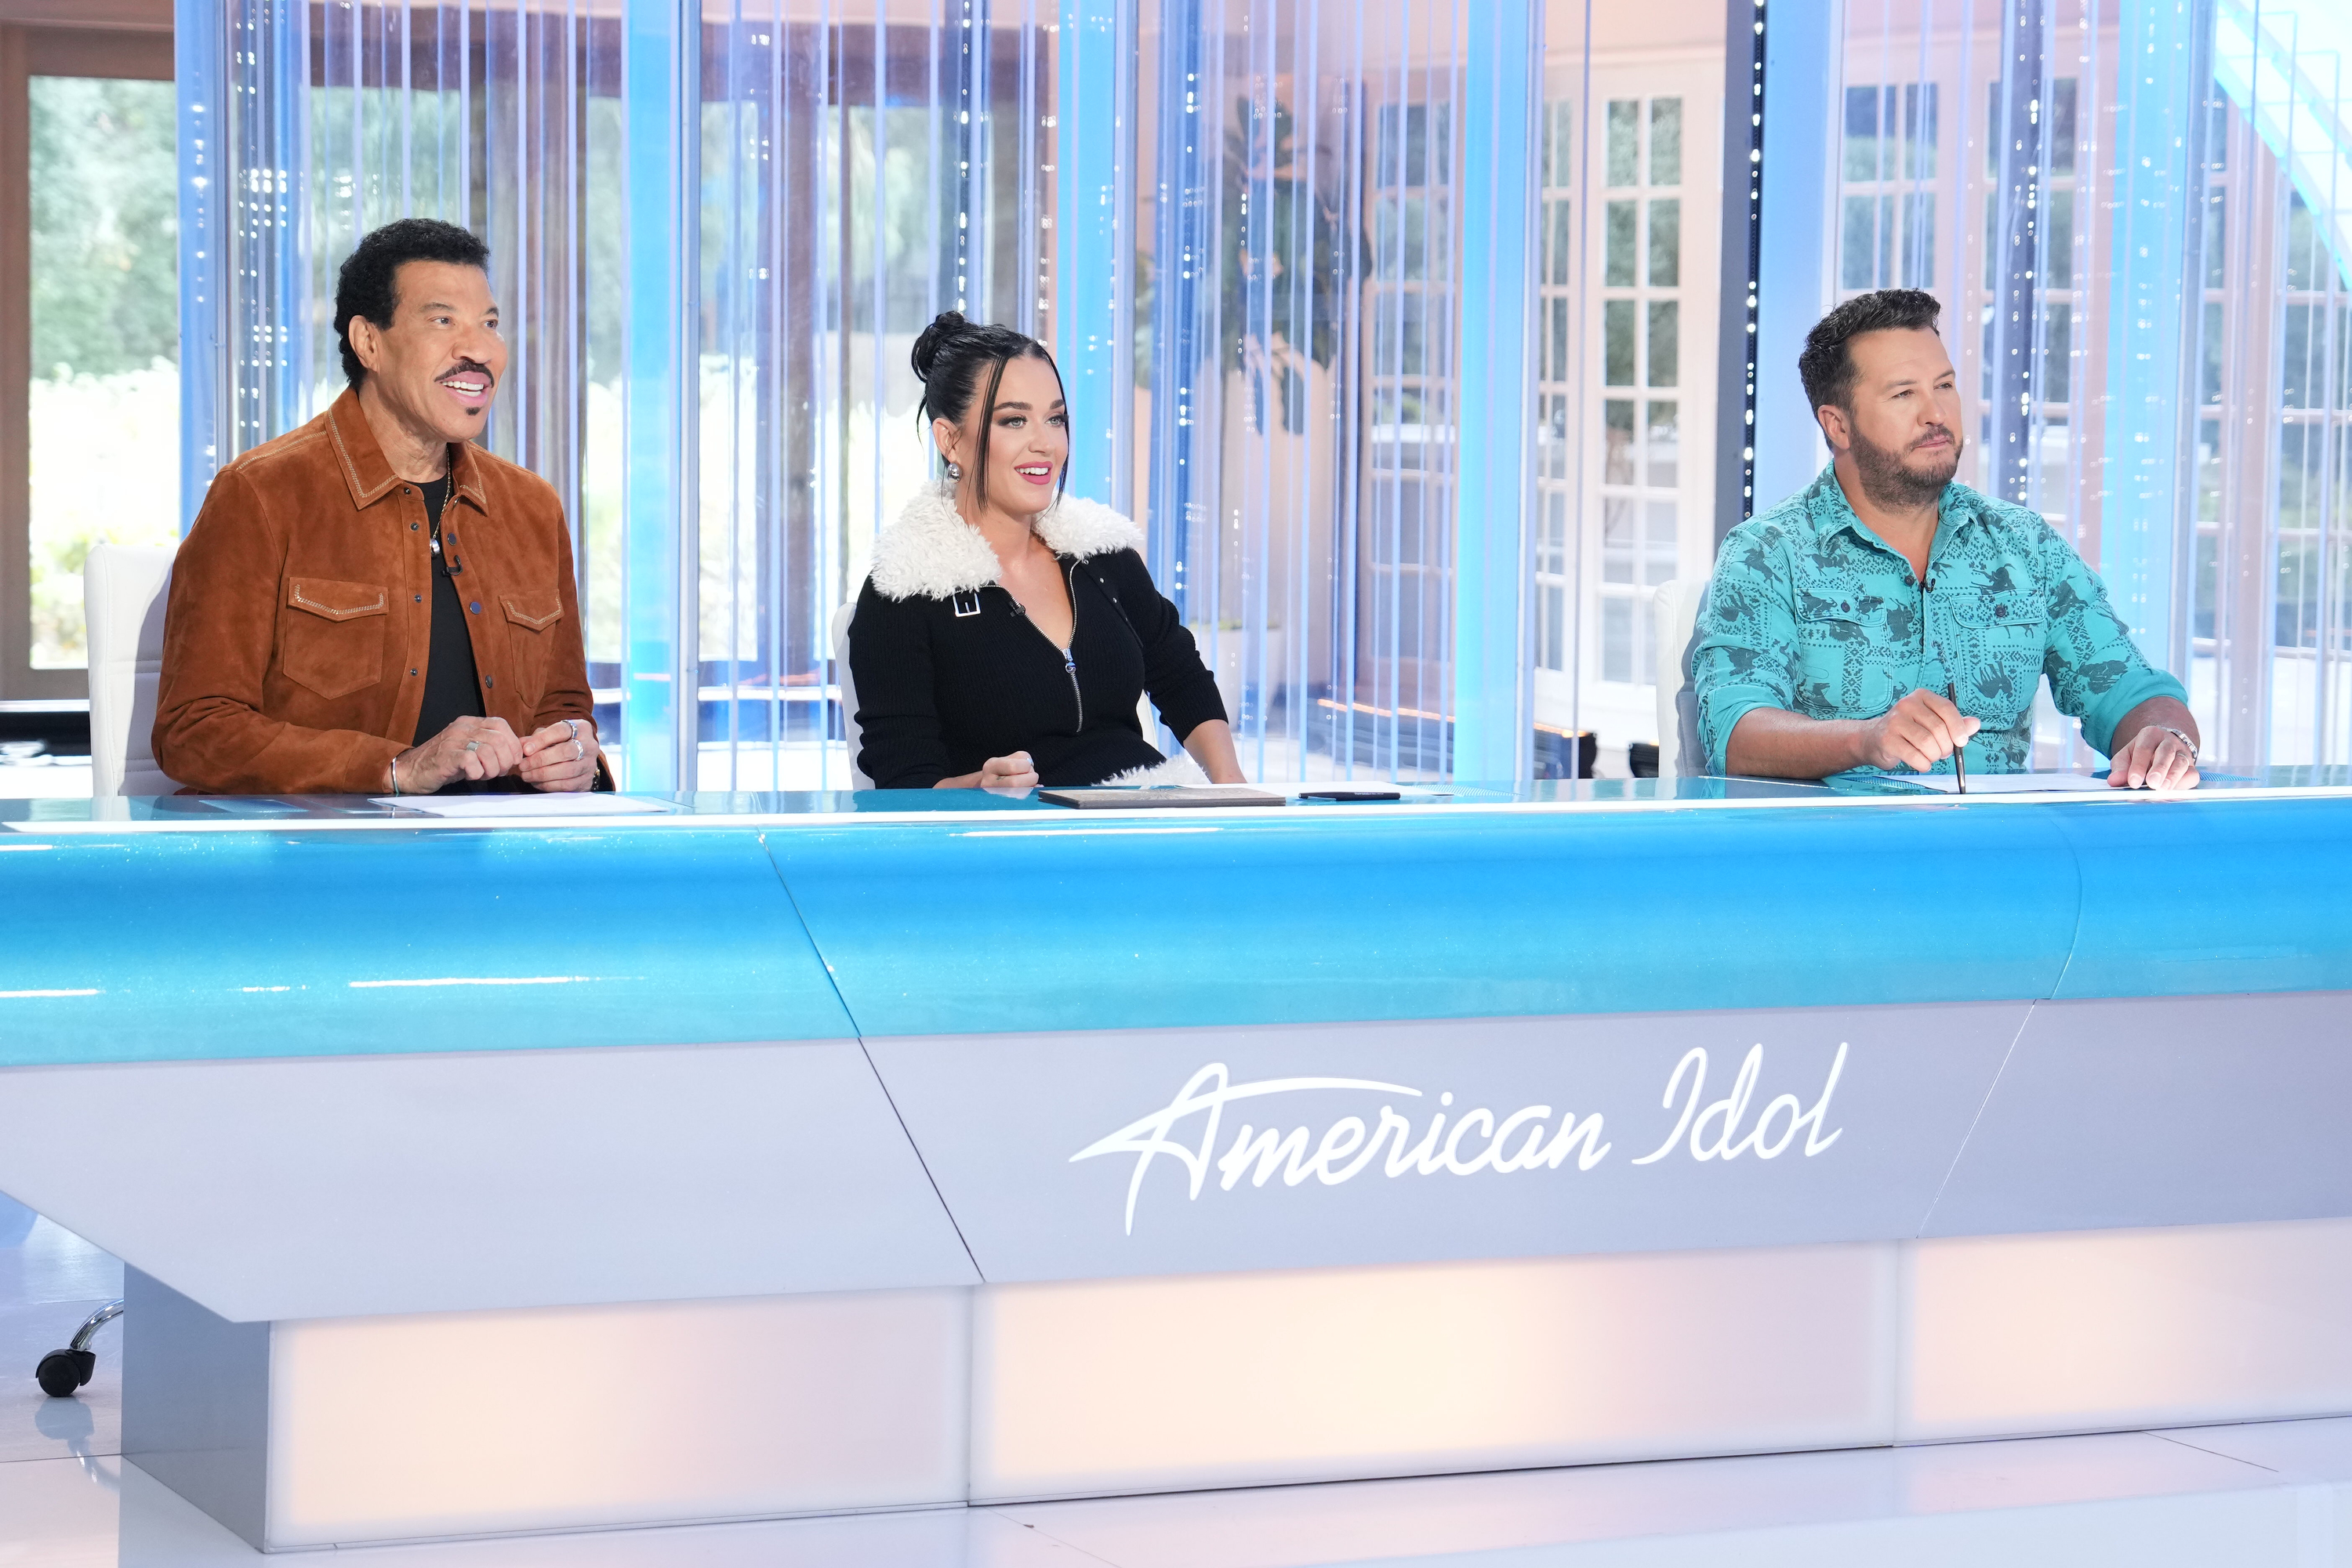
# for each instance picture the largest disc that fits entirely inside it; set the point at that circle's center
(1801, 43)
(2023, 155)
(1088, 263)
(2147, 492)
(1492, 729)
(657, 704)
(203, 176)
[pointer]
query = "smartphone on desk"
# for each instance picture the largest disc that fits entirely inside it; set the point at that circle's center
(1345, 796)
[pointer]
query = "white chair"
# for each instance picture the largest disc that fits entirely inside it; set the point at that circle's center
(846, 685)
(123, 590)
(1674, 622)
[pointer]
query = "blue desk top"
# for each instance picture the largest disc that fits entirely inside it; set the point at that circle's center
(177, 929)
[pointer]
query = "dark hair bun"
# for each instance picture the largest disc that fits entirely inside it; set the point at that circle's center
(945, 327)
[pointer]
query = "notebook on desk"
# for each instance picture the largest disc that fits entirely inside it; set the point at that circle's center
(1183, 797)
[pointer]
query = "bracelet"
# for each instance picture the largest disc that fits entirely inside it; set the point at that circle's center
(2181, 737)
(395, 775)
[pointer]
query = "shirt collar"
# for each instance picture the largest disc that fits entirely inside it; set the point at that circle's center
(369, 477)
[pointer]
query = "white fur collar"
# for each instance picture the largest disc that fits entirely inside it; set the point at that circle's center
(931, 552)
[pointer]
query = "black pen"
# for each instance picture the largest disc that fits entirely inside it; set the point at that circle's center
(1960, 759)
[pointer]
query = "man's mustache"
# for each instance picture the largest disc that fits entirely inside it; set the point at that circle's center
(469, 367)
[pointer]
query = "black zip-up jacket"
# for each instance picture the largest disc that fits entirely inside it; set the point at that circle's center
(950, 672)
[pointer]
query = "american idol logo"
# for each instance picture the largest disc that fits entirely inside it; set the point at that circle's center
(1473, 1142)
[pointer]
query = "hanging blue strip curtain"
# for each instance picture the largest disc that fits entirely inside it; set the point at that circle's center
(715, 229)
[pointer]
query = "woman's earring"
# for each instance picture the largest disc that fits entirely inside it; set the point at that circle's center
(955, 471)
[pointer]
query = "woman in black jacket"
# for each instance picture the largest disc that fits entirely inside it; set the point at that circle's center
(1006, 630)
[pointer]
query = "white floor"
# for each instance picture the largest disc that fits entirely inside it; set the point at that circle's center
(2244, 1497)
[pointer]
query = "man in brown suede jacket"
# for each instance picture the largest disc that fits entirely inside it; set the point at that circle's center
(372, 604)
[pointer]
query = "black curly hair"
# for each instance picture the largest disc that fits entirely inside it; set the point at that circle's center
(1827, 365)
(366, 286)
(949, 357)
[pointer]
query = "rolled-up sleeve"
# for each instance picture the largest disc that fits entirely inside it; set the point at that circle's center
(2096, 675)
(1746, 654)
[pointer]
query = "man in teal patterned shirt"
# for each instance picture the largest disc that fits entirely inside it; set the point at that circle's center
(1888, 616)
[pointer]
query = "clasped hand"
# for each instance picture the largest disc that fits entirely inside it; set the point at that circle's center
(560, 757)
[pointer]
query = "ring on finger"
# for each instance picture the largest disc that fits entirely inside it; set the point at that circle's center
(579, 752)
(473, 746)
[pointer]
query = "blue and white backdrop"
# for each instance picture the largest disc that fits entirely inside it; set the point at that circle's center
(1416, 334)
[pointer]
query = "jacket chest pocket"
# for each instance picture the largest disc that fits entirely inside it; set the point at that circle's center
(2000, 610)
(1998, 650)
(1830, 627)
(532, 620)
(334, 635)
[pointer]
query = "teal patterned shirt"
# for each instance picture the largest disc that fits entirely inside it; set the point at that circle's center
(1810, 611)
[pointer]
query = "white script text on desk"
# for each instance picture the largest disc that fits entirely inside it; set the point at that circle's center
(1532, 1138)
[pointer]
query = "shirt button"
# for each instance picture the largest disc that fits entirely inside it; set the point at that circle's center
(2000, 609)
(1845, 606)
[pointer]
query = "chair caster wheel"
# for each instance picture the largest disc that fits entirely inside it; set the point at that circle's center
(62, 1373)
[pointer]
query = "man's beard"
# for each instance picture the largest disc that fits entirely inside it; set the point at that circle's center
(1889, 482)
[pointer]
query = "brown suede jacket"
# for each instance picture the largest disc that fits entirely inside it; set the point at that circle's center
(301, 611)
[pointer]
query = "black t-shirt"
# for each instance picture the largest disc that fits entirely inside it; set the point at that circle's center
(453, 686)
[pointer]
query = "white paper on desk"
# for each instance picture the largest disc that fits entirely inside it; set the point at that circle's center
(2005, 784)
(494, 807)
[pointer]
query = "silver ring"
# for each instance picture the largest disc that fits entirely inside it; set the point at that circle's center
(573, 725)
(473, 746)
(579, 752)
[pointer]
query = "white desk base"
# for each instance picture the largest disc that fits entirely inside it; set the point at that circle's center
(347, 1431)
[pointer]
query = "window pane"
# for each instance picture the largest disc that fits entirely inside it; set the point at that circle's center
(1617, 639)
(1667, 242)
(1617, 442)
(1862, 134)
(1617, 541)
(2061, 124)
(1857, 243)
(1621, 242)
(1667, 142)
(2061, 270)
(1665, 445)
(1920, 129)
(105, 394)
(2057, 357)
(1617, 343)
(1624, 142)
(1665, 324)
(1918, 242)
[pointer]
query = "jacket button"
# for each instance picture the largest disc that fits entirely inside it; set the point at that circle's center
(488, 682)
(420, 598)
(412, 673)
(475, 607)
(412, 528)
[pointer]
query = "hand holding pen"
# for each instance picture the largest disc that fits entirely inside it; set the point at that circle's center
(1916, 734)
